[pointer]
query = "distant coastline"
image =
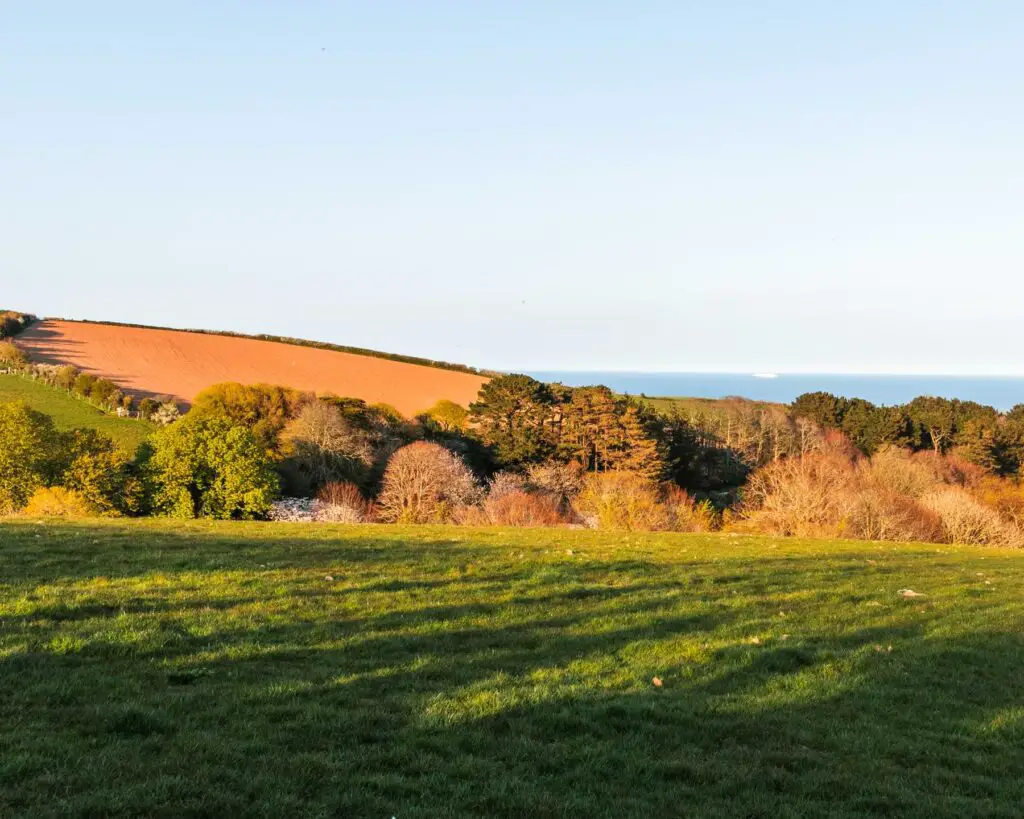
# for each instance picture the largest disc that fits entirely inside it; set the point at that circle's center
(1001, 392)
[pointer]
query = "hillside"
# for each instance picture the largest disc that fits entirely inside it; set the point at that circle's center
(179, 363)
(705, 406)
(69, 412)
(164, 668)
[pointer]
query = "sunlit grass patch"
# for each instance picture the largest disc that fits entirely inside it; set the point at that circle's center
(156, 668)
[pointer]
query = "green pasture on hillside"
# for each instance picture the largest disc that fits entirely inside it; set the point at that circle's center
(69, 412)
(175, 669)
(701, 406)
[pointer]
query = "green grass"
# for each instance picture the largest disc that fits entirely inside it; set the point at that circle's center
(69, 412)
(168, 669)
(705, 406)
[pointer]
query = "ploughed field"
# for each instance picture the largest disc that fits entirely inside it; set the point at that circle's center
(196, 669)
(182, 364)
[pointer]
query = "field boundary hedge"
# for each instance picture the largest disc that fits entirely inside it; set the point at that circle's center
(13, 322)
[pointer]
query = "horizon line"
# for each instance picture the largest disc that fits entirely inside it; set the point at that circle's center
(779, 373)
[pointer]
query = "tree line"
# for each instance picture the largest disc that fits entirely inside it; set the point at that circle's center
(977, 433)
(12, 322)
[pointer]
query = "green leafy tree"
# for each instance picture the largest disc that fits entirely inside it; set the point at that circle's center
(26, 454)
(13, 322)
(66, 377)
(102, 391)
(863, 422)
(321, 446)
(896, 428)
(822, 407)
(512, 416)
(635, 446)
(84, 383)
(208, 466)
(264, 409)
(93, 466)
(147, 406)
(446, 416)
(589, 428)
(11, 356)
(936, 418)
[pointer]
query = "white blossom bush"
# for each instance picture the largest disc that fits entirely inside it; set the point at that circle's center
(292, 510)
(166, 413)
(307, 510)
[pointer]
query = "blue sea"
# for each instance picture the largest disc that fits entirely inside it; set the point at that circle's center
(1001, 392)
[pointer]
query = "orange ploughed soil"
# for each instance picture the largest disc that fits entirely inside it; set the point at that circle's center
(180, 364)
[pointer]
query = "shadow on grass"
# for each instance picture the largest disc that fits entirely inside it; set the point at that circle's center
(423, 696)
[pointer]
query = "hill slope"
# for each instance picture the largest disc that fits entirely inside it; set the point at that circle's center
(175, 668)
(181, 364)
(69, 412)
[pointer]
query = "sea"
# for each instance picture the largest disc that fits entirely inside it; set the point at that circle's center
(1001, 392)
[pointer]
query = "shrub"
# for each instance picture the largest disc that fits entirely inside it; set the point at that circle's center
(84, 383)
(687, 515)
(65, 377)
(58, 502)
(93, 466)
(1006, 497)
(102, 390)
(11, 356)
(446, 416)
(264, 409)
(898, 471)
(952, 469)
(321, 446)
(26, 452)
(292, 510)
(424, 482)
(209, 467)
(342, 502)
(806, 496)
(562, 481)
(622, 500)
(166, 413)
(877, 513)
(965, 520)
(13, 322)
(505, 482)
(147, 406)
(516, 507)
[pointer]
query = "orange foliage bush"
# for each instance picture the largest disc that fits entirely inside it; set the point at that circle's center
(686, 515)
(342, 502)
(622, 500)
(892, 496)
(517, 507)
(876, 513)
(966, 520)
(1005, 496)
(58, 502)
(806, 496)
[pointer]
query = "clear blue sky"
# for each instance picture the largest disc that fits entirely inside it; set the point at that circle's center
(741, 186)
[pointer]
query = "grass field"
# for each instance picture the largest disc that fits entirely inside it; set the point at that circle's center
(69, 412)
(170, 669)
(703, 406)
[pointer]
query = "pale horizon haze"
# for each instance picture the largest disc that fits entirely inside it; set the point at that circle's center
(656, 186)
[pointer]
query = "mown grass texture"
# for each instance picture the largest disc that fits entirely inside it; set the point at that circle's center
(69, 412)
(199, 669)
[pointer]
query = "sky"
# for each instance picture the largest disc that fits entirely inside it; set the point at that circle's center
(653, 186)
